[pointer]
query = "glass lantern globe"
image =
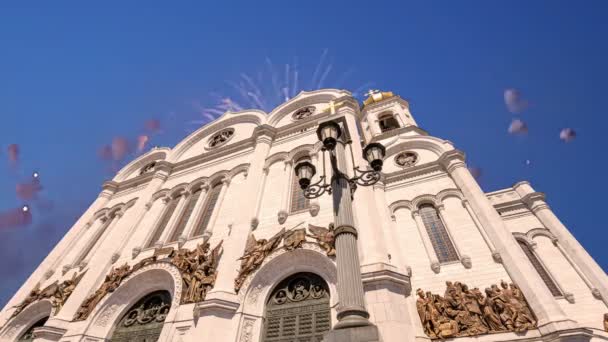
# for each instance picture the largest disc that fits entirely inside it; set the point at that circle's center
(329, 132)
(374, 154)
(305, 171)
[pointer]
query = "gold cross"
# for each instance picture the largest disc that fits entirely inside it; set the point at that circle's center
(333, 105)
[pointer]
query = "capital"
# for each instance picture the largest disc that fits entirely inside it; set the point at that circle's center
(345, 230)
(109, 188)
(535, 201)
(451, 160)
(226, 180)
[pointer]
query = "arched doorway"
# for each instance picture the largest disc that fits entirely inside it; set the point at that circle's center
(28, 335)
(144, 320)
(298, 310)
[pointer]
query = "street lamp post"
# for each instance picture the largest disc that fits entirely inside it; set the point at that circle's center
(351, 312)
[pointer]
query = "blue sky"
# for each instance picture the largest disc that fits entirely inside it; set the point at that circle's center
(74, 75)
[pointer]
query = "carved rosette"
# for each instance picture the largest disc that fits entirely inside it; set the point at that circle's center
(468, 312)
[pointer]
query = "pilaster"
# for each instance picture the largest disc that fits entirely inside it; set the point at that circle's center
(550, 315)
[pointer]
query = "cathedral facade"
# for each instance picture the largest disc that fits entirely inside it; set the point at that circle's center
(214, 240)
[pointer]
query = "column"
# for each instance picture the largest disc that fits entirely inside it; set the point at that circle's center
(221, 303)
(175, 216)
(550, 316)
(482, 231)
(536, 202)
(388, 229)
(351, 311)
(464, 259)
(196, 214)
(102, 237)
(284, 212)
(218, 206)
(426, 241)
(258, 202)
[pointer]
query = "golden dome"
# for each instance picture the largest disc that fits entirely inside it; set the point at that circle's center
(374, 96)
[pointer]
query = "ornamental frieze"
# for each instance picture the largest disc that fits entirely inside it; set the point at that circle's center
(57, 293)
(197, 267)
(468, 312)
(256, 251)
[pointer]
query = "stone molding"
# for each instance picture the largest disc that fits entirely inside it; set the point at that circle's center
(378, 274)
(49, 333)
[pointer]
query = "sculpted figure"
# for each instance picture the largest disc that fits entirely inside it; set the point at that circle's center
(31, 297)
(490, 316)
(325, 237)
(200, 272)
(423, 305)
(606, 321)
(255, 253)
(111, 283)
(294, 239)
(465, 312)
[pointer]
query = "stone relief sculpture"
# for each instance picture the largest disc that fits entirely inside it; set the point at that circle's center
(294, 239)
(606, 322)
(255, 253)
(325, 237)
(57, 293)
(468, 312)
(111, 283)
(198, 269)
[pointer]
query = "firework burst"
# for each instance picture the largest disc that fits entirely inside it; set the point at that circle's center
(272, 85)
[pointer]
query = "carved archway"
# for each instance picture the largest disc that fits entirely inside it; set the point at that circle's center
(298, 309)
(159, 276)
(144, 321)
(26, 319)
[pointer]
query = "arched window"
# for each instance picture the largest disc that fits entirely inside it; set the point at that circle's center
(209, 207)
(88, 246)
(162, 224)
(298, 310)
(444, 248)
(28, 335)
(540, 269)
(298, 201)
(144, 320)
(181, 225)
(387, 122)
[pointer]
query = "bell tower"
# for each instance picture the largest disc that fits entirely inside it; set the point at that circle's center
(384, 111)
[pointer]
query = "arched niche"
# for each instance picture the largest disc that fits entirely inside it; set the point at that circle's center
(144, 321)
(26, 319)
(281, 264)
(298, 308)
(154, 277)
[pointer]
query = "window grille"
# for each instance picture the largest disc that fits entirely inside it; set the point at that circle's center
(298, 201)
(164, 221)
(181, 225)
(444, 248)
(298, 310)
(540, 269)
(212, 197)
(144, 320)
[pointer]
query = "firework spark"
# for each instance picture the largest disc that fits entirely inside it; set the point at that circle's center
(273, 85)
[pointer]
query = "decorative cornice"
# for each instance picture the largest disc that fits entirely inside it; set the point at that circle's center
(382, 273)
(412, 172)
(49, 333)
(213, 305)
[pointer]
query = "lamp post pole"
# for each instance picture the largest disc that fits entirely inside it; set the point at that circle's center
(353, 319)
(351, 312)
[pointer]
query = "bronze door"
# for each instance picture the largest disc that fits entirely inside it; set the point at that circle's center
(298, 310)
(144, 321)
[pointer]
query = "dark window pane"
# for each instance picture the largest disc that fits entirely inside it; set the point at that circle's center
(542, 272)
(444, 248)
